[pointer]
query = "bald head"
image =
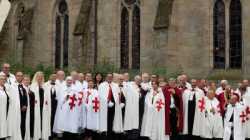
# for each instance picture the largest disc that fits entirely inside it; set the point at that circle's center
(60, 75)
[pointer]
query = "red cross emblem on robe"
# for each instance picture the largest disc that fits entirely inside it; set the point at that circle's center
(159, 105)
(201, 105)
(72, 100)
(96, 104)
(248, 113)
(243, 116)
(46, 102)
(87, 98)
(80, 98)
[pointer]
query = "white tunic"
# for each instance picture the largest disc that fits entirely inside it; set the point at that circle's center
(3, 114)
(60, 101)
(239, 131)
(213, 125)
(71, 113)
(103, 91)
(246, 102)
(93, 109)
(15, 114)
(198, 117)
(14, 117)
(46, 114)
(132, 96)
(153, 123)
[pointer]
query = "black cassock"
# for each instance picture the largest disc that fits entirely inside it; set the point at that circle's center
(143, 94)
(53, 107)
(23, 97)
(32, 112)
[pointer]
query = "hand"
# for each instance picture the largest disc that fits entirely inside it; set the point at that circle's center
(172, 91)
(122, 105)
(212, 110)
(24, 108)
(110, 104)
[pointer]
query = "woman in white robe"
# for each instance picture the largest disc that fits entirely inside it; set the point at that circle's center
(41, 125)
(4, 104)
(153, 124)
(93, 111)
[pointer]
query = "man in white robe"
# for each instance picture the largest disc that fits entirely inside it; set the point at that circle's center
(83, 81)
(193, 108)
(244, 94)
(20, 109)
(153, 124)
(213, 125)
(223, 84)
(235, 120)
(78, 88)
(51, 89)
(4, 109)
(145, 82)
(131, 120)
(70, 121)
(4, 12)
(110, 113)
(10, 77)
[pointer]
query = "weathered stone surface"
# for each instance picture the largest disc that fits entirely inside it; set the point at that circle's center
(175, 34)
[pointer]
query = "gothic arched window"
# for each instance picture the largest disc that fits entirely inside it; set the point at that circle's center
(61, 35)
(219, 35)
(136, 38)
(235, 25)
(124, 39)
(130, 51)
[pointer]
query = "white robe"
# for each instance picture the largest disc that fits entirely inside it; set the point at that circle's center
(213, 125)
(15, 114)
(198, 117)
(3, 114)
(71, 115)
(153, 123)
(60, 101)
(239, 131)
(93, 110)
(4, 12)
(103, 91)
(132, 95)
(46, 114)
(246, 102)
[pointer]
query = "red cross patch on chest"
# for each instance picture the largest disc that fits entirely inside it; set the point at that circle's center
(201, 104)
(159, 105)
(72, 100)
(96, 104)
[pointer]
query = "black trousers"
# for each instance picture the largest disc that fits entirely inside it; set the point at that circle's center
(2, 138)
(173, 124)
(143, 138)
(70, 136)
(23, 123)
(191, 137)
(212, 139)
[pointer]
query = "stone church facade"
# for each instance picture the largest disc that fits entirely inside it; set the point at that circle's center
(198, 37)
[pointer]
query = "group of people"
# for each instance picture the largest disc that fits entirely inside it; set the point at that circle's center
(83, 106)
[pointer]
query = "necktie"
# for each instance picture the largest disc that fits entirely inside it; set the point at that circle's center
(110, 94)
